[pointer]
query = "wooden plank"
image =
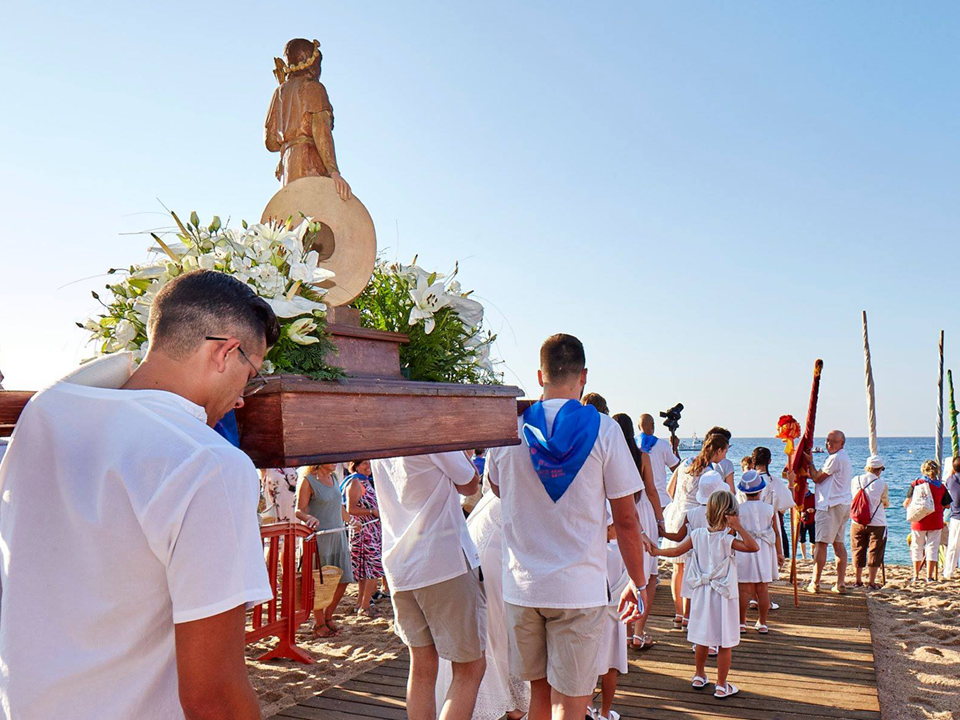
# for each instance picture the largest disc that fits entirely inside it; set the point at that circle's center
(816, 664)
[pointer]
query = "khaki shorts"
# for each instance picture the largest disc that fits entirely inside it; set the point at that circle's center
(452, 615)
(925, 544)
(867, 544)
(560, 645)
(831, 523)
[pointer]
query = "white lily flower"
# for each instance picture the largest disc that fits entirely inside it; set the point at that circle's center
(207, 262)
(125, 332)
(427, 300)
(149, 272)
(470, 311)
(299, 331)
(308, 271)
(267, 368)
(297, 305)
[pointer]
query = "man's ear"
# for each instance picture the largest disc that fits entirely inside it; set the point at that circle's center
(221, 353)
(540, 377)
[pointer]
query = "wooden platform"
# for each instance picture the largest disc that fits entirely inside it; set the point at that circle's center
(816, 663)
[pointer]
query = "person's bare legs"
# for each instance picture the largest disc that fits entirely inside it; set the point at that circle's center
(803, 550)
(840, 550)
(872, 575)
(332, 607)
(422, 682)
(700, 660)
(917, 566)
(462, 695)
(608, 688)
(364, 594)
(540, 700)
(745, 593)
(931, 569)
(676, 580)
(568, 707)
(649, 592)
(859, 573)
(724, 657)
(763, 601)
(820, 559)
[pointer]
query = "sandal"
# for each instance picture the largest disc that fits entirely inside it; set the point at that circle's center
(725, 692)
(839, 589)
(318, 632)
(761, 628)
(699, 683)
(713, 651)
(646, 642)
(686, 621)
(678, 622)
(743, 628)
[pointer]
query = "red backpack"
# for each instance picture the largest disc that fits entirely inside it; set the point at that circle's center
(860, 508)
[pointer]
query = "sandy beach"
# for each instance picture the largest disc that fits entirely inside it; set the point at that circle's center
(916, 641)
(362, 643)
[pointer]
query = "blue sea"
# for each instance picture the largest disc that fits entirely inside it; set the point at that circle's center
(902, 456)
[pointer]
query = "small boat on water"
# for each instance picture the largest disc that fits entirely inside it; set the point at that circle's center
(695, 444)
(818, 450)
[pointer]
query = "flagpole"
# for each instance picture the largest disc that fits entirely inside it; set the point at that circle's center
(871, 391)
(938, 444)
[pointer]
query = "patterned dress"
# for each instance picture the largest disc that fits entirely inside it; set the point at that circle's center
(366, 543)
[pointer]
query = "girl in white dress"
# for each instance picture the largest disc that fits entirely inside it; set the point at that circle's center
(755, 570)
(612, 659)
(651, 520)
(683, 489)
(711, 576)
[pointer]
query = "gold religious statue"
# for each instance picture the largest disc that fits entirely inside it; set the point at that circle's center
(299, 123)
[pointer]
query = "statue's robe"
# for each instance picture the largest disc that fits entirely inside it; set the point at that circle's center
(289, 123)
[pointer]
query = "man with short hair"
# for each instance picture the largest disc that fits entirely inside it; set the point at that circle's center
(554, 489)
(431, 564)
(833, 500)
(661, 456)
(130, 543)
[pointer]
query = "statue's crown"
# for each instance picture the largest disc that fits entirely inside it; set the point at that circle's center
(282, 70)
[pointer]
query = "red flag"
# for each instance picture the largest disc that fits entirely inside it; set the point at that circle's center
(798, 462)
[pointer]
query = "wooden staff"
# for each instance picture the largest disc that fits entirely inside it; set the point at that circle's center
(871, 415)
(800, 468)
(938, 444)
(954, 438)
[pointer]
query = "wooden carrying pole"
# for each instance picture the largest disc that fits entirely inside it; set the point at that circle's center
(801, 470)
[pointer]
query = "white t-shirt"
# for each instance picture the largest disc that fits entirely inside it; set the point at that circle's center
(121, 513)
(554, 553)
(662, 457)
(835, 490)
(425, 536)
(724, 467)
(874, 491)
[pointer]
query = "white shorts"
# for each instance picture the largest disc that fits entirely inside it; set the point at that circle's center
(831, 524)
(925, 544)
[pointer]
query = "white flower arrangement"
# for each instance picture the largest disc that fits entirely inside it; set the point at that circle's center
(448, 342)
(271, 258)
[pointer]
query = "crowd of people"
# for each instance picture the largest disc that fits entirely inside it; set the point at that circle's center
(518, 576)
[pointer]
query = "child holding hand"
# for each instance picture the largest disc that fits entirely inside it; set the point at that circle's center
(711, 578)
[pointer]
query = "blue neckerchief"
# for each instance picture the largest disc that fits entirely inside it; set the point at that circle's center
(350, 478)
(647, 442)
(932, 481)
(227, 427)
(557, 459)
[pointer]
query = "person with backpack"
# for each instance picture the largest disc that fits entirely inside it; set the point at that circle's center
(926, 527)
(868, 518)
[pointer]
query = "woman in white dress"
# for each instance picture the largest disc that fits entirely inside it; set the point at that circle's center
(711, 580)
(755, 570)
(500, 692)
(683, 489)
(651, 520)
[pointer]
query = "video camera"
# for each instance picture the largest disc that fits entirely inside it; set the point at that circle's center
(672, 418)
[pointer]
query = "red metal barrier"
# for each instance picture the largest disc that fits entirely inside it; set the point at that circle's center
(280, 544)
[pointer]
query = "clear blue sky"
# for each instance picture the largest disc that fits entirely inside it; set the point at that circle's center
(706, 193)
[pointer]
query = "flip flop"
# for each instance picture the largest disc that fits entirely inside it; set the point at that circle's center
(727, 691)
(761, 628)
(699, 683)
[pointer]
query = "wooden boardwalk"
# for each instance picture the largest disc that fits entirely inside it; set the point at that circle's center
(816, 663)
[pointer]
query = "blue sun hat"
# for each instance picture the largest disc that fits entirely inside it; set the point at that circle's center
(751, 483)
